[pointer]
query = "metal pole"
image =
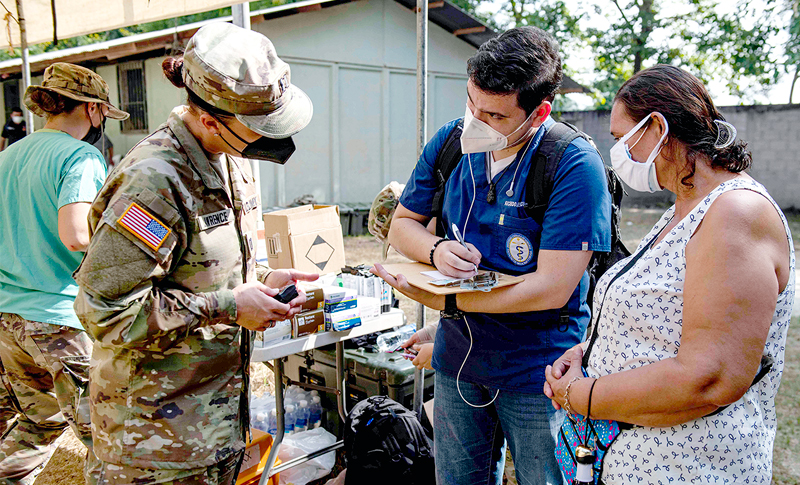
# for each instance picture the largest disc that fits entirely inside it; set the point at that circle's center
(241, 15)
(26, 64)
(277, 368)
(422, 136)
(341, 384)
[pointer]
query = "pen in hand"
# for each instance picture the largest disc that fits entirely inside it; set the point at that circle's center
(460, 239)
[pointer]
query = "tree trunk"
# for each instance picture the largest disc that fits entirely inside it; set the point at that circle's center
(794, 81)
(517, 13)
(647, 19)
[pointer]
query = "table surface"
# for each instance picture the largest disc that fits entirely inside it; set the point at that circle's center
(276, 350)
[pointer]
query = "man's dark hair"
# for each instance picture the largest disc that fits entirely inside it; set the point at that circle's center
(523, 60)
(16, 110)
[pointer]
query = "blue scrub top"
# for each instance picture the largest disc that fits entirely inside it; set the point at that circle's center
(510, 350)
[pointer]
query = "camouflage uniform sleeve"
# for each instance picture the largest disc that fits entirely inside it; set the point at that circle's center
(123, 300)
(262, 272)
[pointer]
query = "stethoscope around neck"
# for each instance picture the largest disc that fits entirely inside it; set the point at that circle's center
(491, 196)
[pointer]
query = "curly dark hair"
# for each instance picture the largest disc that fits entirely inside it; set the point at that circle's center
(523, 60)
(687, 106)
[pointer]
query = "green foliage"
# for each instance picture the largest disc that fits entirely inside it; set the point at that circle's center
(731, 47)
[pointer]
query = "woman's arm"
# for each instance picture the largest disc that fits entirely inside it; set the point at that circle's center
(736, 265)
(73, 225)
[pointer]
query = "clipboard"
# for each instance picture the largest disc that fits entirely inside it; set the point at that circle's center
(413, 272)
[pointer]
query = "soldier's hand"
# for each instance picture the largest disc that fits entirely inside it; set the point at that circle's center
(281, 278)
(256, 309)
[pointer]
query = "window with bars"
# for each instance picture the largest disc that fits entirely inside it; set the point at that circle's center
(132, 96)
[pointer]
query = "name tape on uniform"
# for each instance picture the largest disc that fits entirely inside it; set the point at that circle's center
(250, 204)
(214, 219)
(144, 226)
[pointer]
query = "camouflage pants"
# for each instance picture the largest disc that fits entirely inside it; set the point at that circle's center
(47, 368)
(223, 473)
(8, 412)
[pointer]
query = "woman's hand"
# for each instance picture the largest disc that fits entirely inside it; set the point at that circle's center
(424, 355)
(401, 284)
(560, 373)
(422, 336)
(256, 307)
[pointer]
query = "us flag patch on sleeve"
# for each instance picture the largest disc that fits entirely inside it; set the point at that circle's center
(144, 226)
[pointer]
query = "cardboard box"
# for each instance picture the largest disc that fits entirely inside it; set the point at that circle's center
(337, 294)
(341, 306)
(336, 322)
(307, 323)
(255, 459)
(307, 238)
(282, 330)
(370, 308)
(315, 297)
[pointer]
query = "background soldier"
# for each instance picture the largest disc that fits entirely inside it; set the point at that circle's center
(47, 182)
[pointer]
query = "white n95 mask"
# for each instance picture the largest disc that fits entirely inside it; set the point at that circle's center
(639, 176)
(478, 137)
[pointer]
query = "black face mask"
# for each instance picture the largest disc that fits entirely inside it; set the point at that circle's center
(275, 150)
(95, 132)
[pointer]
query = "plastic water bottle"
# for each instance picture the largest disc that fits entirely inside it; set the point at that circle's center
(261, 422)
(315, 413)
(289, 420)
(272, 423)
(301, 417)
(389, 342)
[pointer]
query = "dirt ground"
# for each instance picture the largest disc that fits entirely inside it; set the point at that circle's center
(67, 463)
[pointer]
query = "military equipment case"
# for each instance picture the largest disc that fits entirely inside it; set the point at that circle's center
(367, 374)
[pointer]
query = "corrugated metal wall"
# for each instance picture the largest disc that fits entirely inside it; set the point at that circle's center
(362, 134)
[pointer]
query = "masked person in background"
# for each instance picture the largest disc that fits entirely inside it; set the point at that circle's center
(47, 183)
(169, 287)
(491, 349)
(14, 130)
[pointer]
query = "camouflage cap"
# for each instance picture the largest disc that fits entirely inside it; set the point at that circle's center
(76, 82)
(381, 212)
(238, 71)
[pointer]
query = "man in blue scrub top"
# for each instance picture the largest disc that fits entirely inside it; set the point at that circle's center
(491, 348)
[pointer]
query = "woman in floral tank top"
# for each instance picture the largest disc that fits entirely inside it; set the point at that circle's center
(687, 345)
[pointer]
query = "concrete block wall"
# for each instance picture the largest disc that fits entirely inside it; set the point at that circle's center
(771, 131)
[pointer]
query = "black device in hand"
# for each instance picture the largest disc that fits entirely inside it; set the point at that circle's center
(287, 294)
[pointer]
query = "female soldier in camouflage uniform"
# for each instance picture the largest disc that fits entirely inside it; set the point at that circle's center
(169, 285)
(47, 183)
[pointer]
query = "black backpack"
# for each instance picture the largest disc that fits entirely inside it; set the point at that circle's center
(539, 186)
(385, 443)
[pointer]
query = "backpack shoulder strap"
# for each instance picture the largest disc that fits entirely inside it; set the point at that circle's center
(544, 165)
(543, 173)
(446, 161)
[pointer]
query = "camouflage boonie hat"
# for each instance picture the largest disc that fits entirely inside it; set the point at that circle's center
(74, 82)
(238, 71)
(381, 212)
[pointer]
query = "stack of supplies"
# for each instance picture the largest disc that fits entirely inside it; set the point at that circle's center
(341, 308)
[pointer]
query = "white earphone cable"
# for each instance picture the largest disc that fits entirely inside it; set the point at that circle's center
(458, 376)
